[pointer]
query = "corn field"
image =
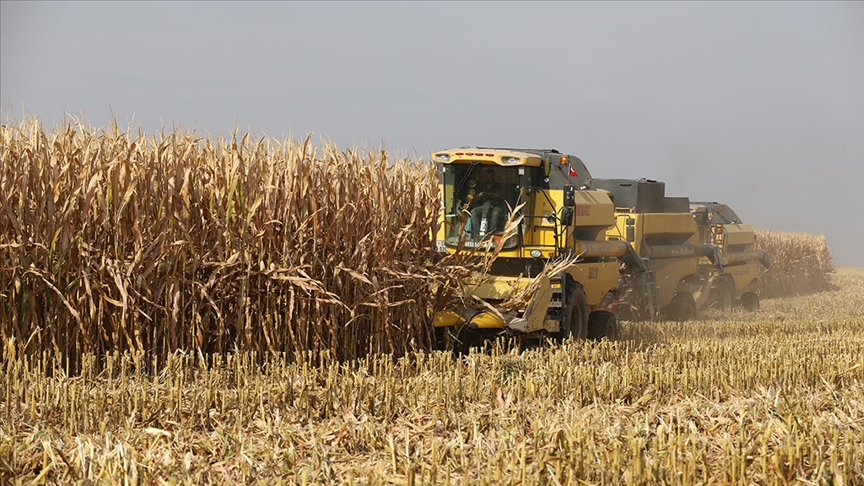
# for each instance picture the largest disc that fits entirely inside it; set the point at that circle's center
(800, 263)
(114, 241)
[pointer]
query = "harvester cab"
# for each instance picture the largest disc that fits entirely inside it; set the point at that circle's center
(484, 185)
(559, 216)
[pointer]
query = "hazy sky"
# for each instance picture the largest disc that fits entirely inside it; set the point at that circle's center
(758, 105)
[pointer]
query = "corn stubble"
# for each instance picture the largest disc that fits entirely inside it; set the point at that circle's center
(768, 398)
(183, 310)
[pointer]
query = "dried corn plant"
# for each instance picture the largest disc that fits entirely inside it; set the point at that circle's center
(479, 263)
(520, 295)
(115, 240)
(800, 263)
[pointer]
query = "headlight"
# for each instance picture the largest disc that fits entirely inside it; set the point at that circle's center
(442, 158)
(510, 160)
(536, 253)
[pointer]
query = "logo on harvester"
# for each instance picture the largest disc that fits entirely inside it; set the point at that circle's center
(573, 172)
(583, 210)
(593, 273)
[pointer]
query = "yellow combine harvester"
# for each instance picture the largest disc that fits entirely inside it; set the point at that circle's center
(561, 216)
(690, 265)
(739, 259)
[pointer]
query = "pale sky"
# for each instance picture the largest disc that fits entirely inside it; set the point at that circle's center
(757, 105)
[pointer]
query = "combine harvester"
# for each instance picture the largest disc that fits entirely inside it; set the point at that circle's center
(561, 217)
(699, 254)
(739, 259)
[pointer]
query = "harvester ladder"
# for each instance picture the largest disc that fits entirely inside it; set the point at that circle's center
(556, 304)
(652, 294)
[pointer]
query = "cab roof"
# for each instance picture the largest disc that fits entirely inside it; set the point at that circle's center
(486, 155)
(721, 212)
(560, 170)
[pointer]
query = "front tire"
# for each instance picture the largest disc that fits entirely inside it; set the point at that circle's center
(749, 301)
(682, 307)
(602, 324)
(576, 313)
(723, 301)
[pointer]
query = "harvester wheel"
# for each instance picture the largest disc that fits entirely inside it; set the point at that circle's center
(749, 302)
(441, 338)
(724, 298)
(602, 324)
(468, 338)
(576, 307)
(682, 307)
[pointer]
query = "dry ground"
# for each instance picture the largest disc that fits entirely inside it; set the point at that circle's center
(775, 397)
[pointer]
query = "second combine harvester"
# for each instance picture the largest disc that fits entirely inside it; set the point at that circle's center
(700, 254)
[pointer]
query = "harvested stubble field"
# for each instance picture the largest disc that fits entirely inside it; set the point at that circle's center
(775, 397)
(175, 311)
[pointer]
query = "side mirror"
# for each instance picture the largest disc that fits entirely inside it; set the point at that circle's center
(569, 196)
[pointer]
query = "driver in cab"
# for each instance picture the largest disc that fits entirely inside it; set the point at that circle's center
(486, 203)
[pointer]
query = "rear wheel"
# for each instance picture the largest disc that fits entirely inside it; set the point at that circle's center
(682, 307)
(749, 301)
(576, 313)
(602, 324)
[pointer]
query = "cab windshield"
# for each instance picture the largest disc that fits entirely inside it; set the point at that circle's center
(476, 199)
